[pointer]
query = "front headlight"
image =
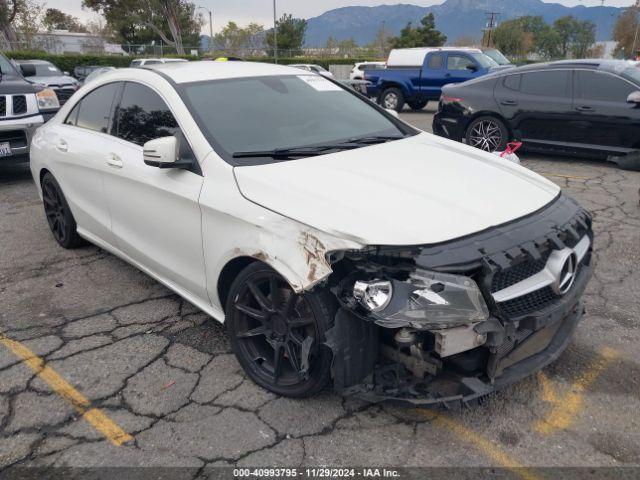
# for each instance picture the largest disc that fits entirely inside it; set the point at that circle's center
(427, 300)
(47, 100)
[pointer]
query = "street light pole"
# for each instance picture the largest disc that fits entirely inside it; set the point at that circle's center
(275, 33)
(210, 26)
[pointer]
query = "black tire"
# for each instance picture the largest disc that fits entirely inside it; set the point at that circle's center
(263, 328)
(392, 99)
(61, 222)
(417, 106)
(487, 133)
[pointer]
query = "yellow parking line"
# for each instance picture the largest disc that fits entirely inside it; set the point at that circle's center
(95, 417)
(548, 392)
(486, 446)
(567, 407)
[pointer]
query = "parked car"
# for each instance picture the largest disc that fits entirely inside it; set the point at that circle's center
(416, 75)
(97, 72)
(141, 62)
(313, 68)
(441, 274)
(357, 73)
(581, 107)
(81, 72)
(497, 56)
(47, 74)
(24, 106)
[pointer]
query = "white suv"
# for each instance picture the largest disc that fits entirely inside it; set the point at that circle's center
(337, 243)
(357, 72)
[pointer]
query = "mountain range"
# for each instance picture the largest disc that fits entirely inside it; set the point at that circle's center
(455, 18)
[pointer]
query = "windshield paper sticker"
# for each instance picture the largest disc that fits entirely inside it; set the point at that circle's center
(320, 83)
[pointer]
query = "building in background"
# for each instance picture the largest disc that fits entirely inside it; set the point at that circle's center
(63, 41)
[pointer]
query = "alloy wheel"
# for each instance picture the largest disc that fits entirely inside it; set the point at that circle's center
(391, 101)
(55, 210)
(276, 330)
(486, 135)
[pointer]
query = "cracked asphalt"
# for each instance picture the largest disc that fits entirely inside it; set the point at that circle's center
(163, 371)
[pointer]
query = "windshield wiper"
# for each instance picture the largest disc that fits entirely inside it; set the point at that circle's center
(373, 139)
(296, 151)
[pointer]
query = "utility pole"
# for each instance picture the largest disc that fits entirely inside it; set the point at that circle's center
(275, 33)
(491, 24)
(383, 39)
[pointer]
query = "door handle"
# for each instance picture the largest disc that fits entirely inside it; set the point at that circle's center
(62, 145)
(114, 161)
(509, 103)
(585, 108)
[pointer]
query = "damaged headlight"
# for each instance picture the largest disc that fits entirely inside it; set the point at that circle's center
(426, 300)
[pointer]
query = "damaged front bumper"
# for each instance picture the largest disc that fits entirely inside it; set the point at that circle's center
(381, 361)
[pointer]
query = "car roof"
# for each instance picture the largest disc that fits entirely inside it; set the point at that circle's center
(186, 72)
(35, 62)
(588, 63)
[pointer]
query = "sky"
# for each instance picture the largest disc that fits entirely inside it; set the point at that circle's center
(261, 11)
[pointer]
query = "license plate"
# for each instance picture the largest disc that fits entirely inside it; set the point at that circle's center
(5, 149)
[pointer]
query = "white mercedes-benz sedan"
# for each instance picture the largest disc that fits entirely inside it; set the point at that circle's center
(338, 244)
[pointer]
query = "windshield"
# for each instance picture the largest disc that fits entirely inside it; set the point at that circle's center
(282, 112)
(484, 61)
(632, 74)
(497, 57)
(6, 66)
(46, 70)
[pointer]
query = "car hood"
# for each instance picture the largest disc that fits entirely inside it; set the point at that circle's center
(53, 80)
(419, 190)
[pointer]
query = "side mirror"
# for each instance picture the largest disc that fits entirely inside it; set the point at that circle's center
(392, 112)
(634, 97)
(161, 152)
(28, 70)
(472, 68)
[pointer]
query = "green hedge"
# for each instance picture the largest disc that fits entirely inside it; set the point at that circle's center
(68, 62)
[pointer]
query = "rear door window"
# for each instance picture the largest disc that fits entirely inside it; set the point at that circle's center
(436, 61)
(601, 86)
(553, 83)
(94, 110)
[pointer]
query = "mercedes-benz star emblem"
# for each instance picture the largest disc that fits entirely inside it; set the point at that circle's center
(562, 264)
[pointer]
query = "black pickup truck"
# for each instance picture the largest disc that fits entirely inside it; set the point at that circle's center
(24, 106)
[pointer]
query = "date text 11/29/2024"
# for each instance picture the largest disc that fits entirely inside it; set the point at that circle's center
(319, 472)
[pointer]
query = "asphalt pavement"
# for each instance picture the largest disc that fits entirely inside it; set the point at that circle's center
(101, 366)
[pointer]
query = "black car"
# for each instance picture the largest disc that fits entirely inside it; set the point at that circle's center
(580, 107)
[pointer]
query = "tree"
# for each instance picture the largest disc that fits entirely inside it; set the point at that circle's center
(584, 37)
(424, 36)
(548, 43)
(291, 33)
(55, 19)
(512, 39)
(347, 47)
(140, 21)
(625, 30)
(235, 40)
(566, 28)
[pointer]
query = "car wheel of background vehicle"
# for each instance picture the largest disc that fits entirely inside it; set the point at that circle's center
(629, 162)
(416, 106)
(488, 134)
(59, 216)
(278, 335)
(392, 99)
